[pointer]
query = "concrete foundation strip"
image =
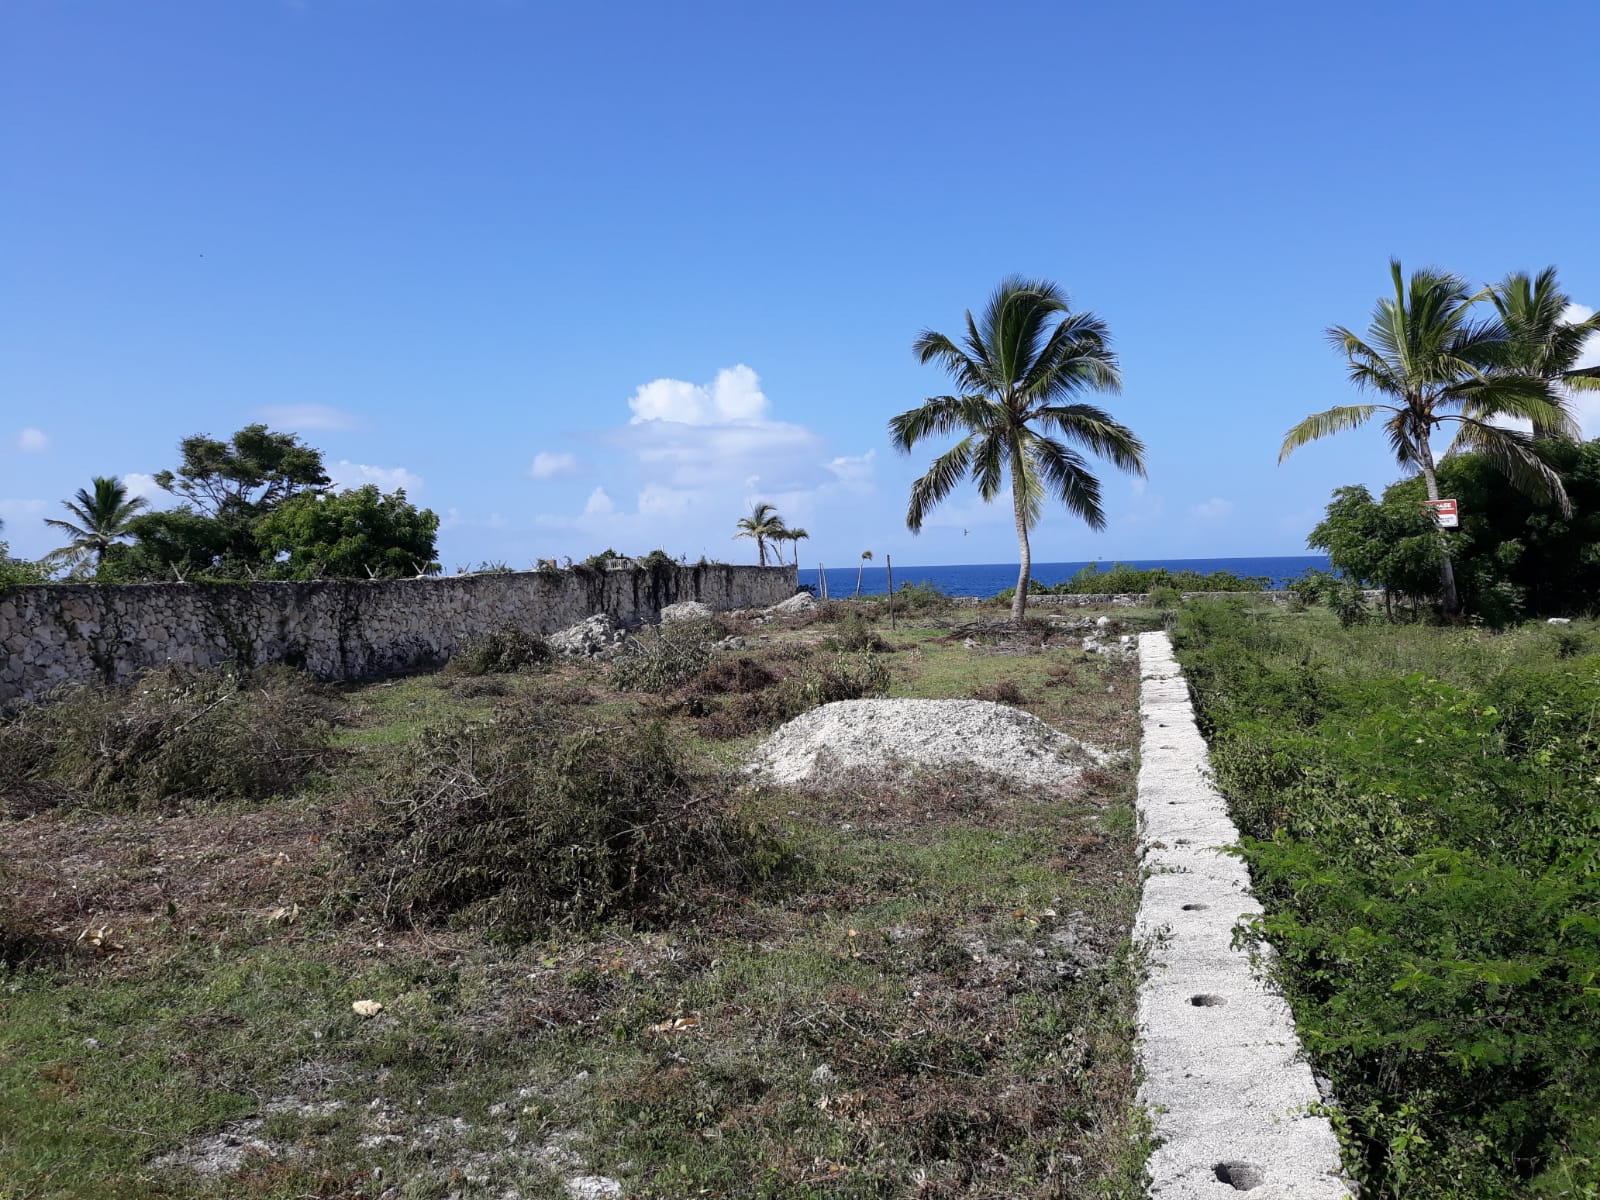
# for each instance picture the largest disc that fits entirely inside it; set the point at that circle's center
(1225, 1080)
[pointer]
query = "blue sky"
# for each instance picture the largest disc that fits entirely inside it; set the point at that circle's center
(580, 276)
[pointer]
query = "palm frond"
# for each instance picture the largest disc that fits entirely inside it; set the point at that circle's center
(935, 415)
(1510, 451)
(1096, 429)
(946, 472)
(1068, 476)
(1325, 424)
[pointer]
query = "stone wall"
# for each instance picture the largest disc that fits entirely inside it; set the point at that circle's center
(337, 629)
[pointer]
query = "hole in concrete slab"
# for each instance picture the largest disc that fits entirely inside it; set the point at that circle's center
(1240, 1176)
(1207, 1000)
(1185, 841)
(1195, 907)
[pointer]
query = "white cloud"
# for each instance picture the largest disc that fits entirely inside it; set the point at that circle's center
(548, 466)
(852, 471)
(346, 474)
(657, 500)
(32, 441)
(142, 485)
(294, 418)
(599, 504)
(734, 395)
(1213, 509)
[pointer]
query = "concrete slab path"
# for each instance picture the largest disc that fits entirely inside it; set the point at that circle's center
(1225, 1079)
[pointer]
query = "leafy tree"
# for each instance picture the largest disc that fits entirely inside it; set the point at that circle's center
(1016, 372)
(764, 525)
(15, 572)
(356, 533)
(1544, 343)
(1393, 545)
(178, 542)
(100, 519)
(1425, 351)
(1514, 557)
(250, 474)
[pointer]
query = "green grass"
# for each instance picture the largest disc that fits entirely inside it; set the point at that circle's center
(937, 1002)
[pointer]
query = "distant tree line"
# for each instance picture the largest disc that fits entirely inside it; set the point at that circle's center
(257, 506)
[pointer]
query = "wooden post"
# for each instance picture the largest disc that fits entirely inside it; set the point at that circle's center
(888, 565)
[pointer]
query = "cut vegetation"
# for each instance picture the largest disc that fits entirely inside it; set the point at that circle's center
(533, 933)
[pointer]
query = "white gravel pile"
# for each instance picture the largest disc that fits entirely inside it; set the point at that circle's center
(685, 610)
(853, 735)
(798, 603)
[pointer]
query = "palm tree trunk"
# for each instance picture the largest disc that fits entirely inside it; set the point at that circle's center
(761, 549)
(1447, 572)
(859, 569)
(1019, 602)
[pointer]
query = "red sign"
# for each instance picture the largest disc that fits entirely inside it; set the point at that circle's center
(1444, 511)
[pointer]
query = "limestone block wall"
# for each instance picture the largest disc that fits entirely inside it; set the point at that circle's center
(336, 629)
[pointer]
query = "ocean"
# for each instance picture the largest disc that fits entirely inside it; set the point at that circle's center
(986, 579)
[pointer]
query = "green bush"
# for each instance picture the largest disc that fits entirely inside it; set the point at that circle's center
(176, 735)
(1418, 810)
(667, 657)
(855, 633)
(502, 651)
(530, 822)
(1164, 597)
(843, 677)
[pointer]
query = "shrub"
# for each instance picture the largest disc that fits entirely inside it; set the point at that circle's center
(1348, 602)
(179, 734)
(665, 658)
(732, 676)
(913, 597)
(844, 677)
(1164, 597)
(856, 634)
(502, 651)
(529, 822)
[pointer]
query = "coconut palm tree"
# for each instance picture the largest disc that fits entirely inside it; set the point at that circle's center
(764, 525)
(866, 557)
(1546, 343)
(1426, 352)
(1017, 370)
(794, 537)
(101, 518)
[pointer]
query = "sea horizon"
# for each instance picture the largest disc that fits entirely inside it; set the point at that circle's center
(988, 579)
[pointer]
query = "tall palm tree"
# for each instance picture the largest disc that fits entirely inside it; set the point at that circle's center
(1426, 352)
(764, 525)
(866, 557)
(794, 536)
(1016, 373)
(1546, 344)
(101, 518)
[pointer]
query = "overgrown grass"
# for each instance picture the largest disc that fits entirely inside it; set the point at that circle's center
(932, 998)
(1419, 806)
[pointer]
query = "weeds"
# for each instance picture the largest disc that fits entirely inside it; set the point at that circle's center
(177, 735)
(1418, 805)
(664, 659)
(528, 821)
(502, 651)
